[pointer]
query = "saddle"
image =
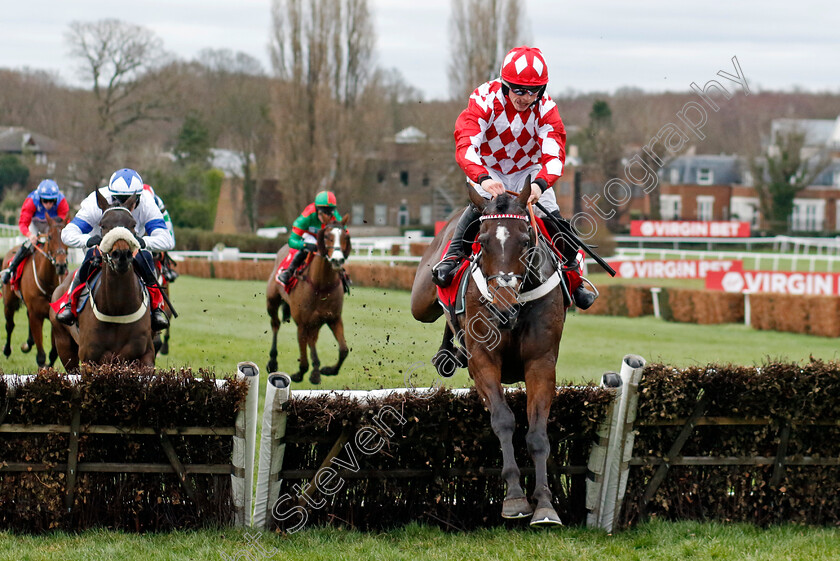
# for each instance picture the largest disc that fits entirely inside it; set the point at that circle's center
(17, 274)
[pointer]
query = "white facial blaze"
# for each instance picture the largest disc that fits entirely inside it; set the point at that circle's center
(502, 235)
(337, 254)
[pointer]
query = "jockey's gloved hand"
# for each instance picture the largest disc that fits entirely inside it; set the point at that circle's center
(141, 241)
(93, 240)
(310, 247)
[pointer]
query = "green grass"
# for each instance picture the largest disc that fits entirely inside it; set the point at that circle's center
(649, 542)
(224, 322)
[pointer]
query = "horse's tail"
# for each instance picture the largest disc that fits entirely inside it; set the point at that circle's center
(287, 311)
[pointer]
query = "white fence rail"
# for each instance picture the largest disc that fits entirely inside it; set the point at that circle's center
(755, 260)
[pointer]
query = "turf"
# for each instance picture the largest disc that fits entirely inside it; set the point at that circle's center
(224, 322)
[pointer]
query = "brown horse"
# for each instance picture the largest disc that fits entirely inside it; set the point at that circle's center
(317, 299)
(115, 323)
(43, 271)
(510, 332)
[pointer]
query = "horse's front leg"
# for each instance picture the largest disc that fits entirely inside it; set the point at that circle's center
(302, 336)
(9, 311)
(36, 335)
(53, 350)
(489, 387)
(272, 308)
(315, 375)
(337, 327)
(540, 381)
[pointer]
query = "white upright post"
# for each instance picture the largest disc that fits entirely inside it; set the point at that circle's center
(252, 374)
(272, 447)
(605, 496)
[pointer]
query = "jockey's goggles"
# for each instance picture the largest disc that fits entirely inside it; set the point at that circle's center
(324, 209)
(525, 90)
(121, 198)
(45, 201)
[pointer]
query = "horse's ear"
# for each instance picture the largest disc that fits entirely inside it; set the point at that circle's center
(130, 202)
(50, 221)
(101, 201)
(346, 219)
(525, 193)
(476, 199)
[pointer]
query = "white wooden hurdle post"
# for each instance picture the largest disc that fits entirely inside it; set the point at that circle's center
(610, 456)
(272, 447)
(244, 445)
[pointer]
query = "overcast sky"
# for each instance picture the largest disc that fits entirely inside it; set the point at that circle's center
(590, 45)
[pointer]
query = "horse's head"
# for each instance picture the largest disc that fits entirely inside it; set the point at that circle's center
(334, 243)
(54, 248)
(506, 239)
(117, 225)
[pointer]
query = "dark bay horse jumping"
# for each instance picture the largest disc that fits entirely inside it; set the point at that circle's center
(317, 299)
(115, 323)
(510, 332)
(42, 272)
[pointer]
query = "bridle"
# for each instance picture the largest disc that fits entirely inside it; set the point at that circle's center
(337, 261)
(543, 286)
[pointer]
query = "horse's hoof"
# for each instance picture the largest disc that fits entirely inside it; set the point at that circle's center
(315, 377)
(545, 517)
(516, 508)
(271, 367)
(24, 348)
(329, 371)
(164, 350)
(7, 352)
(296, 377)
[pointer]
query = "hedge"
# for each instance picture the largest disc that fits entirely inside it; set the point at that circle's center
(34, 501)
(782, 468)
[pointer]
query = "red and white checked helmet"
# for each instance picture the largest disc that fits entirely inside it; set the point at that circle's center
(524, 66)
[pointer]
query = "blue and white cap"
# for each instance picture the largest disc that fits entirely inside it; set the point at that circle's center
(48, 189)
(125, 182)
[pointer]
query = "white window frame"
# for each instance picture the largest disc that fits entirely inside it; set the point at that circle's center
(670, 207)
(747, 209)
(380, 215)
(705, 176)
(808, 215)
(357, 214)
(705, 207)
(426, 215)
(674, 176)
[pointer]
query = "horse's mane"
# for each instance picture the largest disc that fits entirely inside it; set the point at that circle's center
(504, 204)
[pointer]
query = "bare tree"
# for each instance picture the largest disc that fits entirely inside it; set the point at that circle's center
(241, 115)
(322, 51)
(121, 62)
(781, 175)
(481, 31)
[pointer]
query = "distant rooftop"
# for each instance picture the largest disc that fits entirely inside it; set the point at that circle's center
(818, 132)
(410, 135)
(16, 140)
(708, 169)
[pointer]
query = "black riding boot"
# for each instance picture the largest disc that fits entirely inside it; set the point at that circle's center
(144, 265)
(444, 271)
(24, 250)
(582, 296)
(297, 261)
(65, 315)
